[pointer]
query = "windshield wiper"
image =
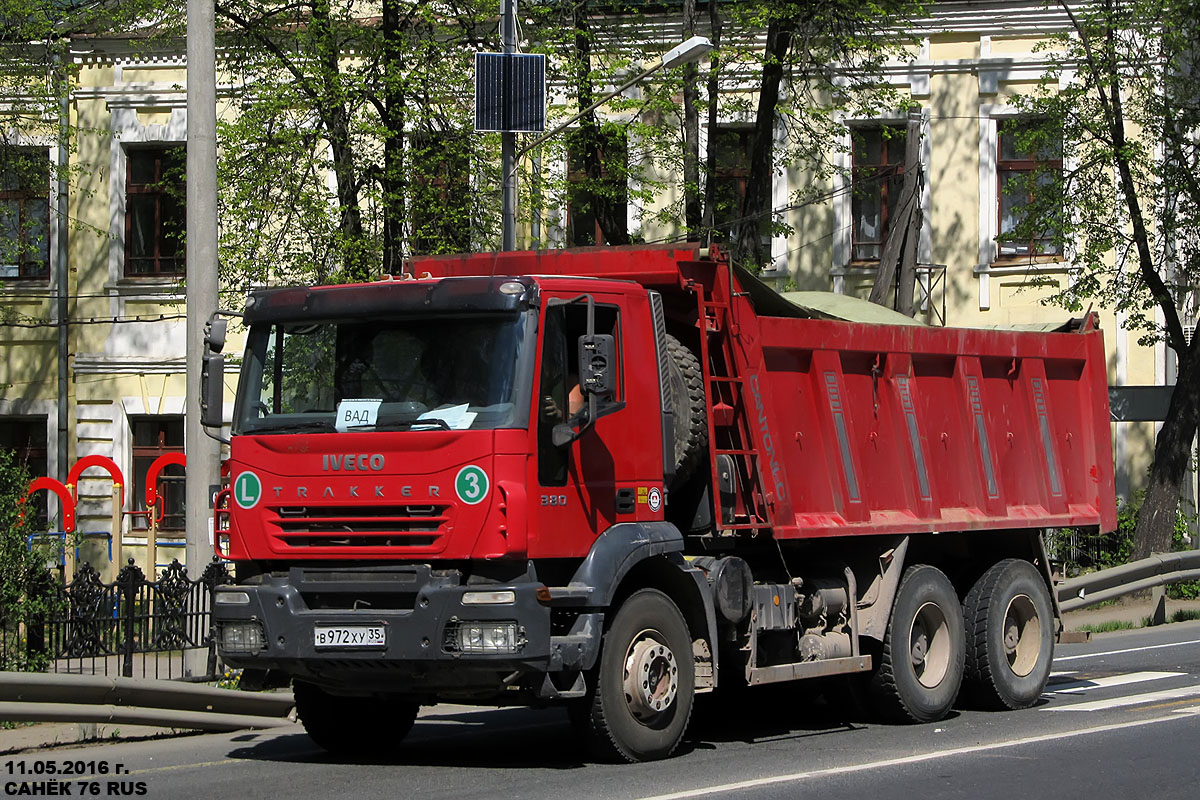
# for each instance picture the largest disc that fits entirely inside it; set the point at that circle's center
(404, 425)
(297, 427)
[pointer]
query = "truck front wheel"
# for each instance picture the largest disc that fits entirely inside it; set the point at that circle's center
(1010, 640)
(353, 726)
(641, 695)
(921, 666)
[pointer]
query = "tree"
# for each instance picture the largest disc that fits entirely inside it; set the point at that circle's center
(820, 60)
(327, 90)
(1124, 101)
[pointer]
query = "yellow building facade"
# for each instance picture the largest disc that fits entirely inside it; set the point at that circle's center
(125, 328)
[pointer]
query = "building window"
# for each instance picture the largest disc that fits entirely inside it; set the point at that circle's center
(24, 213)
(593, 199)
(153, 437)
(25, 438)
(734, 148)
(877, 177)
(440, 194)
(1023, 169)
(155, 216)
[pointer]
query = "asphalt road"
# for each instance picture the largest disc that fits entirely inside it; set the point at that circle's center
(1120, 719)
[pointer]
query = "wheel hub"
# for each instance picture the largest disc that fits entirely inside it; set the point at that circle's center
(651, 678)
(1022, 635)
(929, 645)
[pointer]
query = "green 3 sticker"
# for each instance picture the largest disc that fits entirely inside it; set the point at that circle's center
(247, 490)
(471, 484)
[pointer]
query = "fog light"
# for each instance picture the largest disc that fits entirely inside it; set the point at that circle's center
(242, 637)
(231, 598)
(489, 598)
(489, 637)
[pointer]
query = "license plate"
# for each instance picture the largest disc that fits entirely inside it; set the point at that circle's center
(349, 636)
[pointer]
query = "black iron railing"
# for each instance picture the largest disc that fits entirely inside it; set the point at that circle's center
(130, 627)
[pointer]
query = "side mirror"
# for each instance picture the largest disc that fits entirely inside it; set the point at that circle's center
(212, 390)
(214, 334)
(597, 354)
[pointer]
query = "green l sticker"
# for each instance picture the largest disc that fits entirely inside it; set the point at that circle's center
(247, 490)
(471, 484)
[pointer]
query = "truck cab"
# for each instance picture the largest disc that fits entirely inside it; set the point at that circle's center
(418, 470)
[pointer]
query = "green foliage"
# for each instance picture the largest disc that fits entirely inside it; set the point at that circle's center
(24, 579)
(1108, 626)
(1085, 549)
(351, 143)
(1122, 98)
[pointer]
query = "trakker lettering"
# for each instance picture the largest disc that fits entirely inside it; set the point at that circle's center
(353, 463)
(433, 490)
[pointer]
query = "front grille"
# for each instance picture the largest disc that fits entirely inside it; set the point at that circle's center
(326, 540)
(359, 526)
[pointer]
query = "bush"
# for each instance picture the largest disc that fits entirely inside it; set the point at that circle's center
(23, 574)
(1082, 549)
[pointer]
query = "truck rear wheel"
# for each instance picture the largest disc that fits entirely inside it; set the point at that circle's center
(686, 383)
(641, 695)
(1009, 636)
(352, 726)
(921, 665)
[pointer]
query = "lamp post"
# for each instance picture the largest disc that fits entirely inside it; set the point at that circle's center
(693, 49)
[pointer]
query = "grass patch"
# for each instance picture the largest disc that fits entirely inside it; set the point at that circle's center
(1185, 614)
(1108, 626)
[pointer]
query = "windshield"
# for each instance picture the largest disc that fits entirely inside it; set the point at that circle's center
(428, 373)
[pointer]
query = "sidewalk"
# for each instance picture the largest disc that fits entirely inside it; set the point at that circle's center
(1124, 610)
(32, 736)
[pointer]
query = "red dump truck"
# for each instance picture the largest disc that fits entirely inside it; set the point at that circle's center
(616, 478)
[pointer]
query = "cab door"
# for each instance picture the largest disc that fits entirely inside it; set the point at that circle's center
(612, 471)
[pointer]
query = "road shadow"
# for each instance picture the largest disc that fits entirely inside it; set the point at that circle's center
(524, 738)
(510, 738)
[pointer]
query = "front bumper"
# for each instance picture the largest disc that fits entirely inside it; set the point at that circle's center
(420, 611)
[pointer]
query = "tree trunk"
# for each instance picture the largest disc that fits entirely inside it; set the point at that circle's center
(336, 120)
(1172, 454)
(756, 206)
(393, 184)
(714, 89)
(900, 251)
(610, 215)
(691, 129)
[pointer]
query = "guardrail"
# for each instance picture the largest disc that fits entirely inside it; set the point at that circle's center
(1108, 584)
(38, 697)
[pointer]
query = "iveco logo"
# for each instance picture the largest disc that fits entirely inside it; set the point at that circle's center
(353, 463)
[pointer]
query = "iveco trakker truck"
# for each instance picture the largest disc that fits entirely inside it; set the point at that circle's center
(616, 478)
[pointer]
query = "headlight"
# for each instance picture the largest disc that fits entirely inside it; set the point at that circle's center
(231, 598)
(243, 637)
(502, 598)
(484, 637)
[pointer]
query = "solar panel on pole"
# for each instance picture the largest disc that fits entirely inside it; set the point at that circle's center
(510, 92)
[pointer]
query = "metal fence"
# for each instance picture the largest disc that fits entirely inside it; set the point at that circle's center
(132, 627)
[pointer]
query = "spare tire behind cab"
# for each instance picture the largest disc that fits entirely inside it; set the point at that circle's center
(685, 382)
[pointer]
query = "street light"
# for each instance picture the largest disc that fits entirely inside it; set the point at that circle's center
(693, 49)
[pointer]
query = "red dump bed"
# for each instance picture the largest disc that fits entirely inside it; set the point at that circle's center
(883, 428)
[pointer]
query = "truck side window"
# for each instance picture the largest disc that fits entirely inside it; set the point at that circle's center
(558, 387)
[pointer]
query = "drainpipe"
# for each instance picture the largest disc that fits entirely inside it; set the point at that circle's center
(61, 271)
